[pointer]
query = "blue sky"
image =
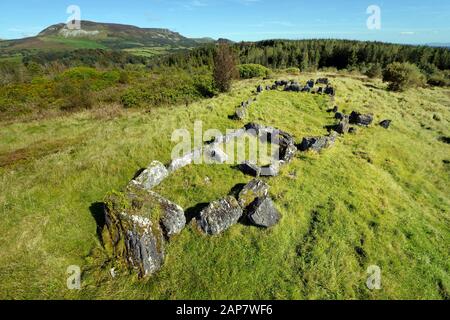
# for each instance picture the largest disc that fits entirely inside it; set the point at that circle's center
(402, 21)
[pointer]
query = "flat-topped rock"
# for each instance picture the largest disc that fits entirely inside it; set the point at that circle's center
(220, 215)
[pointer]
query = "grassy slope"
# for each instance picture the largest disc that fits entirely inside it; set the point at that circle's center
(378, 197)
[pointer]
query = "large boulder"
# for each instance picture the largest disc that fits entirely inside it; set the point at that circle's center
(135, 224)
(220, 215)
(317, 143)
(253, 190)
(263, 213)
(361, 119)
(155, 173)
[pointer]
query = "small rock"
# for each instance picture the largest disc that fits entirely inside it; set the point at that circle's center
(241, 113)
(220, 215)
(352, 130)
(385, 123)
(339, 116)
(259, 89)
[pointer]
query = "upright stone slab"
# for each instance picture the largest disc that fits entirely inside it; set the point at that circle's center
(137, 221)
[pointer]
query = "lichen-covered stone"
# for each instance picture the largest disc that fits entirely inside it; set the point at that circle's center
(253, 190)
(220, 215)
(155, 173)
(136, 221)
(263, 213)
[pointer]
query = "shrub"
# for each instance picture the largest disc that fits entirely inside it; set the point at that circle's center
(374, 71)
(293, 71)
(402, 76)
(248, 71)
(438, 79)
(131, 98)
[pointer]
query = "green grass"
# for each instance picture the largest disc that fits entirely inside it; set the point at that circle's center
(379, 197)
(74, 43)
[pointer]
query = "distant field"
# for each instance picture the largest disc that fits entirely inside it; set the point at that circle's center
(149, 51)
(379, 197)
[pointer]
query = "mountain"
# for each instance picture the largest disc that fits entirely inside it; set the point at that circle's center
(103, 35)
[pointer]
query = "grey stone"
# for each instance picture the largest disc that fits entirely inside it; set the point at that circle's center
(253, 190)
(322, 81)
(263, 213)
(272, 170)
(220, 215)
(250, 168)
(317, 143)
(385, 123)
(259, 89)
(361, 119)
(230, 136)
(133, 231)
(343, 126)
(352, 130)
(173, 219)
(338, 116)
(155, 173)
(241, 113)
(215, 154)
(186, 160)
(330, 90)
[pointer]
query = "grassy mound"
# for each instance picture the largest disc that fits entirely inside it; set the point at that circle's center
(378, 197)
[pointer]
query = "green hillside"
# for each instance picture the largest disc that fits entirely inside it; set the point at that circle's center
(378, 197)
(95, 35)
